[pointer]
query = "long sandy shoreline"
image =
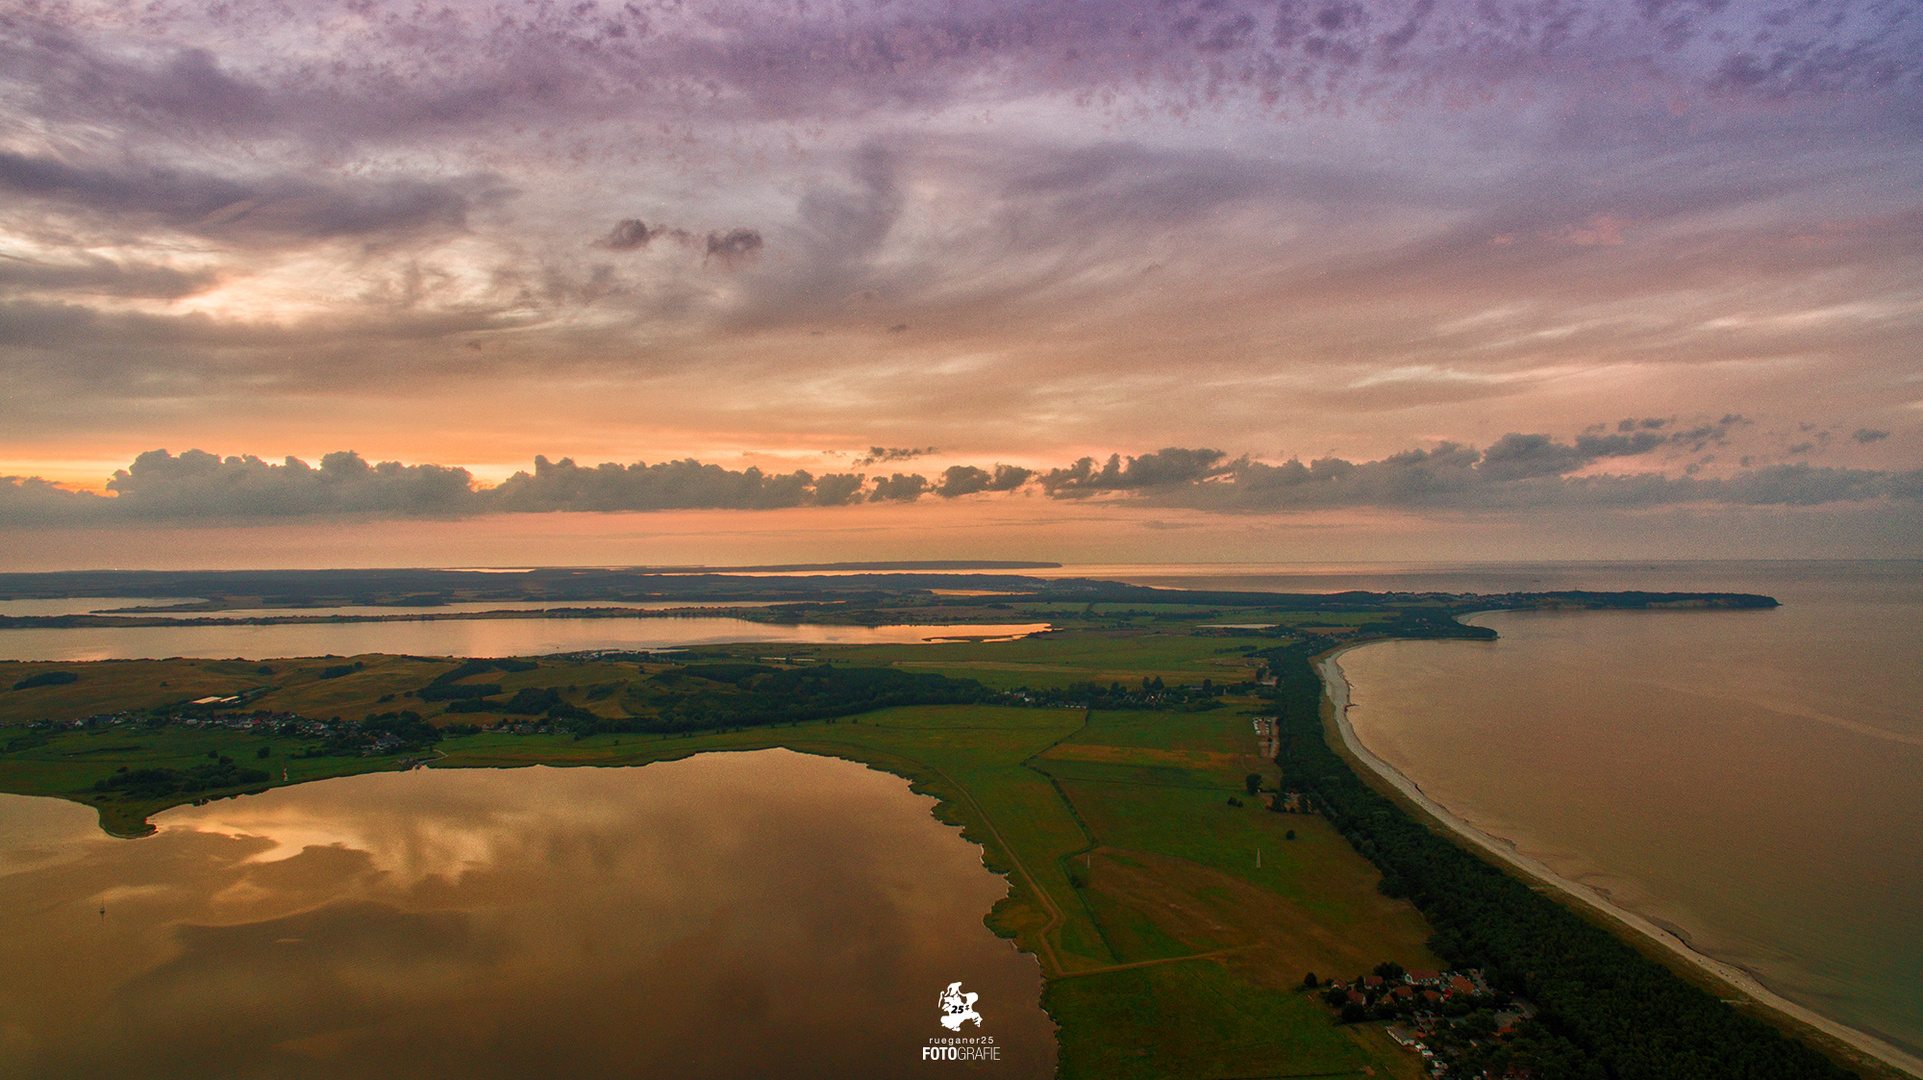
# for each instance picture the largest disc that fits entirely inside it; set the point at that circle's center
(1335, 687)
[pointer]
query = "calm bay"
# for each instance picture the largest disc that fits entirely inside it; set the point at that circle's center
(454, 637)
(741, 914)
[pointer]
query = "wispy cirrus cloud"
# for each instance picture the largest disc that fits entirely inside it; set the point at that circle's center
(1022, 230)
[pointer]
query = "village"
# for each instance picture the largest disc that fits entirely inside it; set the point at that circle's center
(1451, 1018)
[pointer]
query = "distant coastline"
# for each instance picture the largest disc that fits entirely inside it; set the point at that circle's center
(1336, 691)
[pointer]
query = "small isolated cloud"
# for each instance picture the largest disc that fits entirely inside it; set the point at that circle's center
(881, 455)
(838, 489)
(628, 234)
(899, 488)
(1602, 446)
(1009, 477)
(1518, 457)
(1867, 436)
(1598, 230)
(1169, 466)
(1698, 438)
(734, 247)
(963, 480)
(968, 480)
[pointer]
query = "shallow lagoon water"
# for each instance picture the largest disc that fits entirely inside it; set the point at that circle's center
(454, 637)
(750, 914)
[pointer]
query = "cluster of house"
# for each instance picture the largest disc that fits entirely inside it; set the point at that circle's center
(261, 722)
(511, 727)
(1432, 987)
(1434, 1011)
(586, 656)
(83, 722)
(1291, 802)
(1265, 731)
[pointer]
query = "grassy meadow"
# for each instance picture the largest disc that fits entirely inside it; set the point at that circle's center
(1169, 951)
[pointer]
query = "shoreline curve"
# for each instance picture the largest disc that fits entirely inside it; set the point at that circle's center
(1335, 690)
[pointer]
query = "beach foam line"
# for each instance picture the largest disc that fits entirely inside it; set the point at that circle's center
(1335, 687)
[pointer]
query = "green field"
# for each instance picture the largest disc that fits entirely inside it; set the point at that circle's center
(1168, 951)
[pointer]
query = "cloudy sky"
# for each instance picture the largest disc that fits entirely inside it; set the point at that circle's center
(1123, 279)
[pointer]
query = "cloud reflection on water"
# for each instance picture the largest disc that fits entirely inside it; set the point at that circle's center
(727, 915)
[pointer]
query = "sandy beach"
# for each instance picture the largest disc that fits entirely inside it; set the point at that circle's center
(1336, 689)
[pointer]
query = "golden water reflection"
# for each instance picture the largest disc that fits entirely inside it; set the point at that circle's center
(731, 915)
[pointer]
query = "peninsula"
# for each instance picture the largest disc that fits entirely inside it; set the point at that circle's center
(1184, 846)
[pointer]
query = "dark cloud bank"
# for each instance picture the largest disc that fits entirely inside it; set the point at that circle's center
(1517, 472)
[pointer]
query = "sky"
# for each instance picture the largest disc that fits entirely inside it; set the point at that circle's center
(379, 283)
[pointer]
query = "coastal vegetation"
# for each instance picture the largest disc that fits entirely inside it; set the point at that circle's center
(1117, 769)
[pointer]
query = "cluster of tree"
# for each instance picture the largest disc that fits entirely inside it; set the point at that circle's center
(457, 691)
(758, 695)
(704, 696)
(158, 783)
(1606, 1011)
(1533, 1049)
(1152, 695)
(47, 678)
(389, 732)
(471, 668)
(527, 701)
(481, 697)
(447, 685)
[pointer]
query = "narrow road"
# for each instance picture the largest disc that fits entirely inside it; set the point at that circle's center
(1152, 963)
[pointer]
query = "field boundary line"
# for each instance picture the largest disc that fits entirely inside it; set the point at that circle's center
(1161, 960)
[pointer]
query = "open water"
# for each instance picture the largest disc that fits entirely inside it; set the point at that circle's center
(729, 915)
(452, 637)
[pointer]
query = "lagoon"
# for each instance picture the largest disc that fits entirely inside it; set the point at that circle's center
(455, 637)
(742, 914)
